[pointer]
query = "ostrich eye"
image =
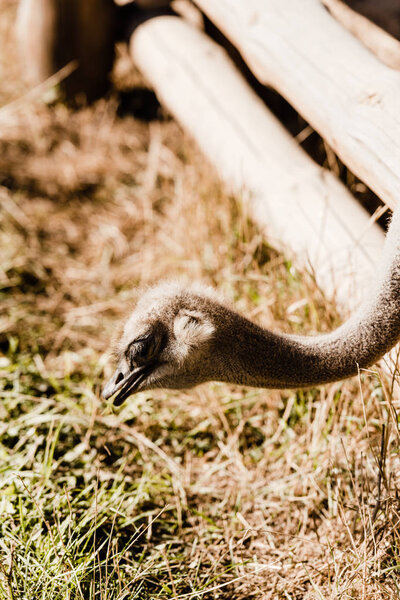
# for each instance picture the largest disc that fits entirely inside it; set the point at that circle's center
(138, 351)
(145, 349)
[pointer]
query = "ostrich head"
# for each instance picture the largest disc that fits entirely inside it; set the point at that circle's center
(166, 342)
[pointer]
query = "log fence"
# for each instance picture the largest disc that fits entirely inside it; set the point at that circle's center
(335, 67)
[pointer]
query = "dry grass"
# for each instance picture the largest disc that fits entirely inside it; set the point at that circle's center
(222, 492)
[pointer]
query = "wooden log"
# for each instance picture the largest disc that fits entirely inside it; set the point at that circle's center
(53, 33)
(299, 204)
(334, 82)
(384, 13)
(381, 43)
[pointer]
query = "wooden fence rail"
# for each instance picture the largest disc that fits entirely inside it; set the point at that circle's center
(341, 88)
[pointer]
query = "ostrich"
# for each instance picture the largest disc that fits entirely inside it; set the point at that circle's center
(178, 337)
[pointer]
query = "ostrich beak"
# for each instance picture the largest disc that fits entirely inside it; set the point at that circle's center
(125, 382)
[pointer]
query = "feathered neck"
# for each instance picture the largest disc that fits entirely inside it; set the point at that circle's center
(250, 355)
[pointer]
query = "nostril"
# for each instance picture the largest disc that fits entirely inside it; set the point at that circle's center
(119, 378)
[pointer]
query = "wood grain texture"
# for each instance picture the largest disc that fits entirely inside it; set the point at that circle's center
(385, 46)
(329, 76)
(301, 206)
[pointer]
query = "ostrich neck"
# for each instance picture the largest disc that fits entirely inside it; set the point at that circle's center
(258, 357)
